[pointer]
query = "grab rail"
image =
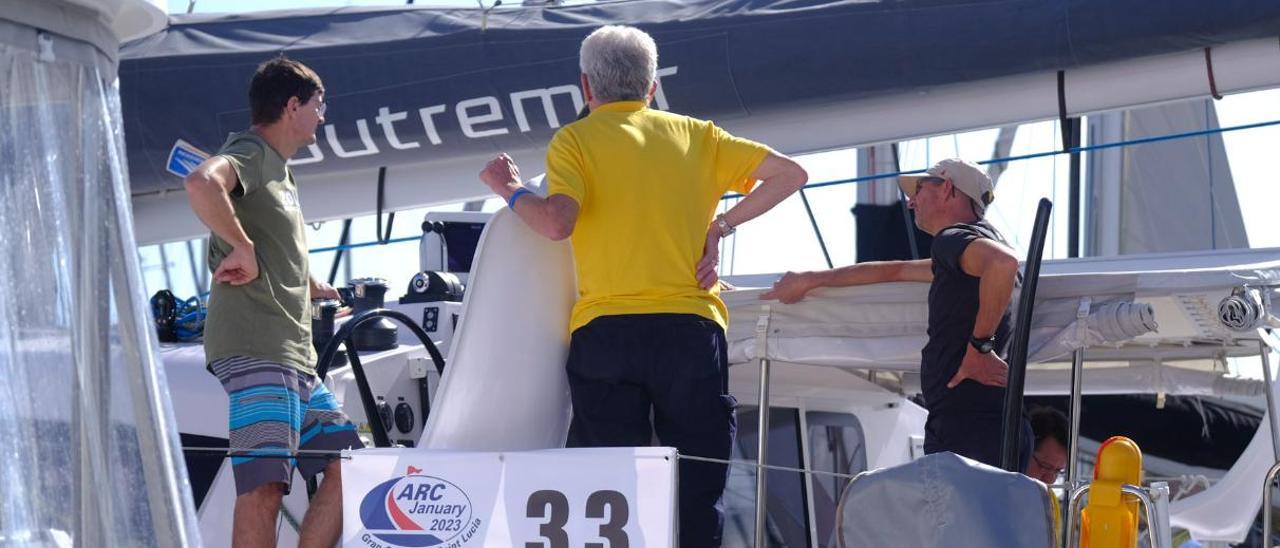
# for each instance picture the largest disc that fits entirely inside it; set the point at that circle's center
(1148, 505)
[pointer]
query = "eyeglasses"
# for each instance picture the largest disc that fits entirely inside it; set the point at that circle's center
(321, 108)
(932, 179)
(1041, 463)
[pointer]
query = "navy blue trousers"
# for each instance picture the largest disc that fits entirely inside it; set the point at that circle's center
(671, 367)
(974, 435)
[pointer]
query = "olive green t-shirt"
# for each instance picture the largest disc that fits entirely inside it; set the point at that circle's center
(270, 317)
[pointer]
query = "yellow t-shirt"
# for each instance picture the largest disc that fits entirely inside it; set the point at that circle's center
(647, 183)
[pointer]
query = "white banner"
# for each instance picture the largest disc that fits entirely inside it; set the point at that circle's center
(556, 498)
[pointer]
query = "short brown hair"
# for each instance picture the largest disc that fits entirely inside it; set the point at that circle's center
(275, 82)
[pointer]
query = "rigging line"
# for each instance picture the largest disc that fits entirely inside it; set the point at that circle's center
(195, 270)
(1053, 182)
(722, 244)
(266, 453)
(1031, 156)
(816, 231)
(756, 465)
(1062, 110)
(391, 217)
(343, 240)
(910, 226)
(878, 176)
(1208, 152)
(164, 263)
(733, 253)
(329, 454)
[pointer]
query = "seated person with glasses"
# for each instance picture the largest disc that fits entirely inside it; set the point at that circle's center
(1049, 459)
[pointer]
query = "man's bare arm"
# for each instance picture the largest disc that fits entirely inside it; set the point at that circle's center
(208, 190)
(996, 267)
(553, 217)
(793, 286)
(779, 177)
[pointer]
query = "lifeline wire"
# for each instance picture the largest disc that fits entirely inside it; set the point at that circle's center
(329, 453)
(878, 176)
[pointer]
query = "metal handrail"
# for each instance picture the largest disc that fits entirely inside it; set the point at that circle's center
(1077, 393)
(762, 448)
(1265, 352)
(1267, 491)
(1073, 509)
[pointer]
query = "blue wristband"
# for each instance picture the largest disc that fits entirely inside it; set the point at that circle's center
(511, 202)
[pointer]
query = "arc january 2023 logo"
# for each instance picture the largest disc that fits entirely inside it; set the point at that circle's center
(417, 511)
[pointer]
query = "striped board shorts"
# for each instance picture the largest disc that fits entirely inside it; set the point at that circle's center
(276, 410)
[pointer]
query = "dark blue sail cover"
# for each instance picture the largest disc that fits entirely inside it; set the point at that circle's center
(412, 84)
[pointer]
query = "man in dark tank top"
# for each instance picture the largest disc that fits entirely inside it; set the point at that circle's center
(972, 274)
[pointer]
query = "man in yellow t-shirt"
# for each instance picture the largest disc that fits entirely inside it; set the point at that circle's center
(637, 190)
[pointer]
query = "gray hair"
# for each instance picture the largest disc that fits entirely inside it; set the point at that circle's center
(620, 62)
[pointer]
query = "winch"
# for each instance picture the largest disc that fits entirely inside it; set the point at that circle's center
(370, 294)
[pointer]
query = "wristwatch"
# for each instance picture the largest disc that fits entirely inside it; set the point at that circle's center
(725, 228)
(983, 346)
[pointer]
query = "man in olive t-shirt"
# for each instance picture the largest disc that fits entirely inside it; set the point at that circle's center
(269, 317)
(257, 335)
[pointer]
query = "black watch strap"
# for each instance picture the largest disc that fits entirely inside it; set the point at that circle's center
(984, 346)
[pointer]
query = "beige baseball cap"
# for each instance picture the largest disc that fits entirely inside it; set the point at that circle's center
(966, 176)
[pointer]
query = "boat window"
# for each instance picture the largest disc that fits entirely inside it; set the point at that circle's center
(787, 510)
(836, 444)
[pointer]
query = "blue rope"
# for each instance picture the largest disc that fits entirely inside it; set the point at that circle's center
(878, 176)
(1035, 155)
(366, 244)
(190, 318)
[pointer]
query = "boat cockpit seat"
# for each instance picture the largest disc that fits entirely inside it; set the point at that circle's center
(944, 499)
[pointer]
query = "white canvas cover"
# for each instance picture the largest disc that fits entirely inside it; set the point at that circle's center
(883, 327)
(1225, 511)
(1097, 304)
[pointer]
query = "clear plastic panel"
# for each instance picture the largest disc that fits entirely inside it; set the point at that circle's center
(90, 452)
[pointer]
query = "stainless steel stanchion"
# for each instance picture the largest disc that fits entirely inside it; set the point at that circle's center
(762, 456)
(1077, 384)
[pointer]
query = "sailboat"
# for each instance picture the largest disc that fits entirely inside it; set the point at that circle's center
(423, 95)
